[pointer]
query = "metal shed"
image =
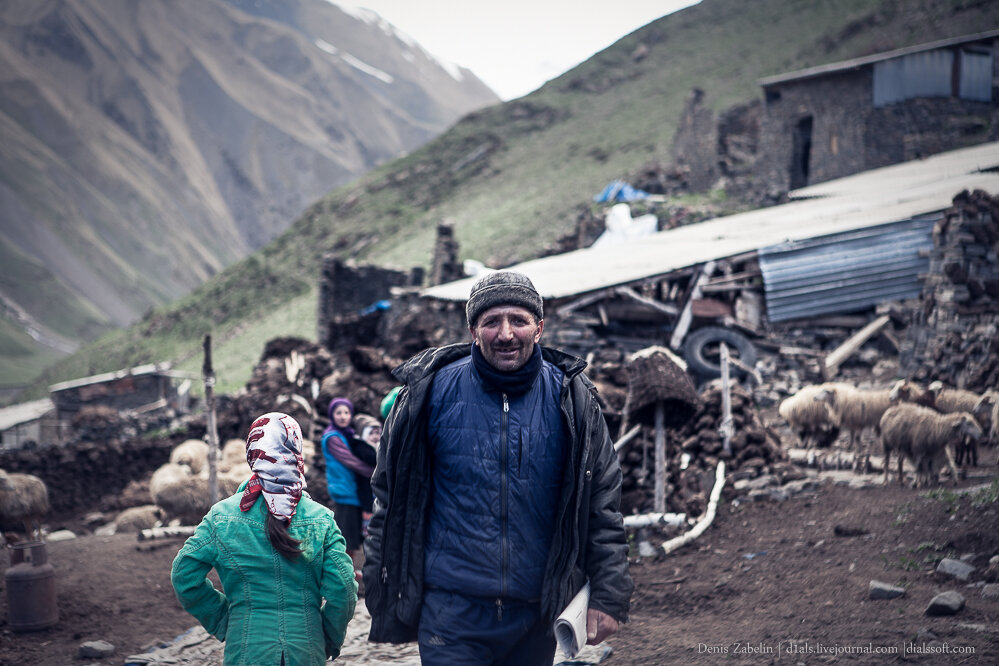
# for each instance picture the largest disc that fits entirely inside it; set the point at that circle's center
(846, 272)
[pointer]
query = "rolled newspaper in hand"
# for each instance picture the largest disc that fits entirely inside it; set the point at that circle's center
(570, 626)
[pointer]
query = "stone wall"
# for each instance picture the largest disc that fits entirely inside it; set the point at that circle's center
(954, 338)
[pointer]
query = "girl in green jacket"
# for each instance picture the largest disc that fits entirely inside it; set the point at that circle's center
(288, 588)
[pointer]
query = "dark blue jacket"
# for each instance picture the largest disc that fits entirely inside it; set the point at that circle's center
(589, 541)
(497, 472)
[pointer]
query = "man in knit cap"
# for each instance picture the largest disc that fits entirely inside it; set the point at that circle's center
(497, 491)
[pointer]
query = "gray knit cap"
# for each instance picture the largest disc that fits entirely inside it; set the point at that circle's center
(503, 288)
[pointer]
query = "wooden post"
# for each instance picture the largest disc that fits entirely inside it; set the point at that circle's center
(660, 488)
(726, 424)
(212, 429)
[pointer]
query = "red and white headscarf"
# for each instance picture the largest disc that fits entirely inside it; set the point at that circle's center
(274, 452)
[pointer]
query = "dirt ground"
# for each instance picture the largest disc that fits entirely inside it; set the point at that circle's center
(769, 582)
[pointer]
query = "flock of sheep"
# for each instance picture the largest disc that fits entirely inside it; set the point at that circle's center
(179, 489)
(925, 425)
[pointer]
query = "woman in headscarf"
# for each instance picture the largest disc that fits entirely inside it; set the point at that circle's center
(288, 588)
(343, 467)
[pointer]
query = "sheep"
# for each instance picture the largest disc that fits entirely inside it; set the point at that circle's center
(906, 390)
(922, 435)
(191, 452)
(24, 498)
(812, 421)
(856, 410)
(952, 400)
(186, 496)
(233, 458)
(138, 518)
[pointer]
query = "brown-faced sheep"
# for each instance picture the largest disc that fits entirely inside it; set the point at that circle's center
(923, 435)
(24, 498)
(813, 421)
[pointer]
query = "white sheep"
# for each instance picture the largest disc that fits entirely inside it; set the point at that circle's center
(186, 496)
(233, 458)
(23, 498)
(191, 452)
(813, 421)
(952, 400)
(857, 410)
(138, 518)
(923, 435)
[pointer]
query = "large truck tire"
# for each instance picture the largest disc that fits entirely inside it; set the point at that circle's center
(702, 351)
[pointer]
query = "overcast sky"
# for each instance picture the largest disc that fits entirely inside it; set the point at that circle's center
(515, 46)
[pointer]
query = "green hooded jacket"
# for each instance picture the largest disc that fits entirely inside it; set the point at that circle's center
(270, 605)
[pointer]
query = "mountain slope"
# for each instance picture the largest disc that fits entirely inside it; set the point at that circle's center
(513, 178)
(147, 145)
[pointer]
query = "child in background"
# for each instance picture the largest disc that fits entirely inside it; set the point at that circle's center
(366, 449)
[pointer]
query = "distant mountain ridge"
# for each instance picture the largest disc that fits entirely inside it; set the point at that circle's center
(149, 144)
(515, 179)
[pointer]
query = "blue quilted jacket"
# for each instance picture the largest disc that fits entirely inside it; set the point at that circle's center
(496, 478)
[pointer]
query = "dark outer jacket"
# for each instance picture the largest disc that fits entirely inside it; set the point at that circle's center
(590, 540)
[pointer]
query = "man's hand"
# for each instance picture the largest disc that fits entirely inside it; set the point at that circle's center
(599, 626)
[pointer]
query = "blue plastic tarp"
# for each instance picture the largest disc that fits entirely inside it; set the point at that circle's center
(618, 190)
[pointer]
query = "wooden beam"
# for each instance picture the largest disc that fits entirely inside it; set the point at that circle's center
(836, 357)
(671, 310)
(583, 301)
(683, 324)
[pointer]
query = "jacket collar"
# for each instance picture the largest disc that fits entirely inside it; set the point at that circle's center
(429, 361)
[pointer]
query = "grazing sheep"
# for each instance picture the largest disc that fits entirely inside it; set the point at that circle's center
(923, 435)
(813, 421)
(193, 453)
(856, 410)
(24, 498)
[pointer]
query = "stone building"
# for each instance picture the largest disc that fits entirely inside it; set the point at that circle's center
(842, 118)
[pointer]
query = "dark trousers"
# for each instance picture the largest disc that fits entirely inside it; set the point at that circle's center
(457, 630)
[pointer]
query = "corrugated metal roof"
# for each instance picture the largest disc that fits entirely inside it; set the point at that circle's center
(147, 369)
(891, 194)
(854, 63)
(24, 412)
(846, 272)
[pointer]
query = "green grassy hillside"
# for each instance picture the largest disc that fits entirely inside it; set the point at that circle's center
(513, 178)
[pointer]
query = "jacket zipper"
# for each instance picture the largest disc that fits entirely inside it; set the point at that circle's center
(504, 486)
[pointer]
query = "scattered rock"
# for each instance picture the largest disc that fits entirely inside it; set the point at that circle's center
(846, 531)
(991, 591)
(945, 603)
(956, 568)
(96, 650)
(992, 572)
(879, 590)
